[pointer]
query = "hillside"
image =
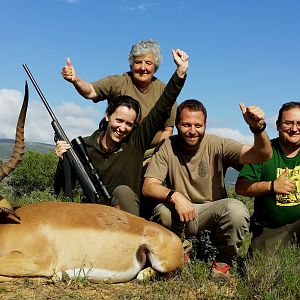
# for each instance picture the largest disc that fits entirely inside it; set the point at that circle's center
(6, 148)
(231, 176)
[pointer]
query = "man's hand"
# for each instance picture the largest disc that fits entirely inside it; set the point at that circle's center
(253, 115)
(184, 207)
(154, 188)
(283, 184)
(68, 71)
(60, 148)
(181, 60)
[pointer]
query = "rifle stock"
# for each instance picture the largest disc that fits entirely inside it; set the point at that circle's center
(90, 192)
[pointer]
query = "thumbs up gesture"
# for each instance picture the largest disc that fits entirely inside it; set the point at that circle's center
(253, 115)
(283, 184)
(68, 71)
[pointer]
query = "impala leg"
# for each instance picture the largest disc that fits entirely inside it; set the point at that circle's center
(16, 264)
(146, 274)
(5, 279)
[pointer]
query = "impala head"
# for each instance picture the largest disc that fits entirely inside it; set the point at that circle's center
(18, 151)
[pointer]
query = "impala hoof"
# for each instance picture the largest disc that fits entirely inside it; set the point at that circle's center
(146, 274)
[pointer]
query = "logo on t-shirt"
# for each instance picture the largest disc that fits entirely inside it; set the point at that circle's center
(202, 170)
(292, 198)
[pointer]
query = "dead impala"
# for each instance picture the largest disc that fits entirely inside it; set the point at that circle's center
(97, 242)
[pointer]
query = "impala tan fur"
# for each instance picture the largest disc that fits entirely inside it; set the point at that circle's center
(89, 240)
(93, 241)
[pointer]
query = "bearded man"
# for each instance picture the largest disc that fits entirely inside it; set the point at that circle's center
(193, 166)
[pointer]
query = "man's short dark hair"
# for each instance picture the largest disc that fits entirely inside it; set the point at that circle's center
(192, 105)
(284, 107)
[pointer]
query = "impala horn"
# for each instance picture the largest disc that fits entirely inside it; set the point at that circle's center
(18, 151)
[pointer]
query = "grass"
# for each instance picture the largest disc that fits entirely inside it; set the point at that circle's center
(267, 277)
(273, 276)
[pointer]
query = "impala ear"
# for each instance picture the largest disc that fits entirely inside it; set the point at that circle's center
(6, 209)
(4, 204)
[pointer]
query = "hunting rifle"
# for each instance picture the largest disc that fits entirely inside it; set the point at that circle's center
(90, 191)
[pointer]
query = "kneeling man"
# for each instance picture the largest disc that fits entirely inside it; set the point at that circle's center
(193, 166)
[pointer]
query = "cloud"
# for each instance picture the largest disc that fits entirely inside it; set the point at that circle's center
(76, 120)
(238, 136)
(271, 121)
(142, 7)
(231, 134)
(71, 1)
(10, 103)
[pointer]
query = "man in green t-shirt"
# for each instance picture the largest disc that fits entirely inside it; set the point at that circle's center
(275, 184)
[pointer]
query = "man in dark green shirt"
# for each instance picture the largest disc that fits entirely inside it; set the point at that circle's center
(275, 184)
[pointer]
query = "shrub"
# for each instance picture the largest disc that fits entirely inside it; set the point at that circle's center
(35, 172)
(34, 197)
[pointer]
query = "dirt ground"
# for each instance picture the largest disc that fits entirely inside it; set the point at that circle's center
(41, 289)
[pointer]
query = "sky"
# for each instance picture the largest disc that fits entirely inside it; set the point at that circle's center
(240, 51)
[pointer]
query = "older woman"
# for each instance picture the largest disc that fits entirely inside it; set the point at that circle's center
(117, 147)
(140, 83)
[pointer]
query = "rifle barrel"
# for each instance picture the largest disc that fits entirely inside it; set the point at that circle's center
(39, 92)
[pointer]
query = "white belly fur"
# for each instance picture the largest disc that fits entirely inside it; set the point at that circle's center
(94, 274)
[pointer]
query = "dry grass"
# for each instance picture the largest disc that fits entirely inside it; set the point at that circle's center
(267, 277)
(192, 283)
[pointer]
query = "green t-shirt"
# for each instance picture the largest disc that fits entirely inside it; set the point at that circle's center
(275, 210)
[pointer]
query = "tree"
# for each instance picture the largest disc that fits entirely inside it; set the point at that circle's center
(35, 172)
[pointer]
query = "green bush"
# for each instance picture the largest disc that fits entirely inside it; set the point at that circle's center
(34, 197)
(35, 173)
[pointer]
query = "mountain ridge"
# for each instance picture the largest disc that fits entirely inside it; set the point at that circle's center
(6, 148)
(7, 145)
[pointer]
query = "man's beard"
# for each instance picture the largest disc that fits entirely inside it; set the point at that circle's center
(188, 142)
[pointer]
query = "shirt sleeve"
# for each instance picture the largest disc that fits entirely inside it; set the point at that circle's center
(158, 114)
(158, 166)
(106, 88)
(231, 153)
(251, 172)
(171, 120)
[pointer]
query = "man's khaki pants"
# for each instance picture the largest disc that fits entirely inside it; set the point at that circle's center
(279, 238)
(227, 219)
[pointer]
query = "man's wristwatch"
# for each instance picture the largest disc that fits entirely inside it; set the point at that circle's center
(260, 130)
(169, 199)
